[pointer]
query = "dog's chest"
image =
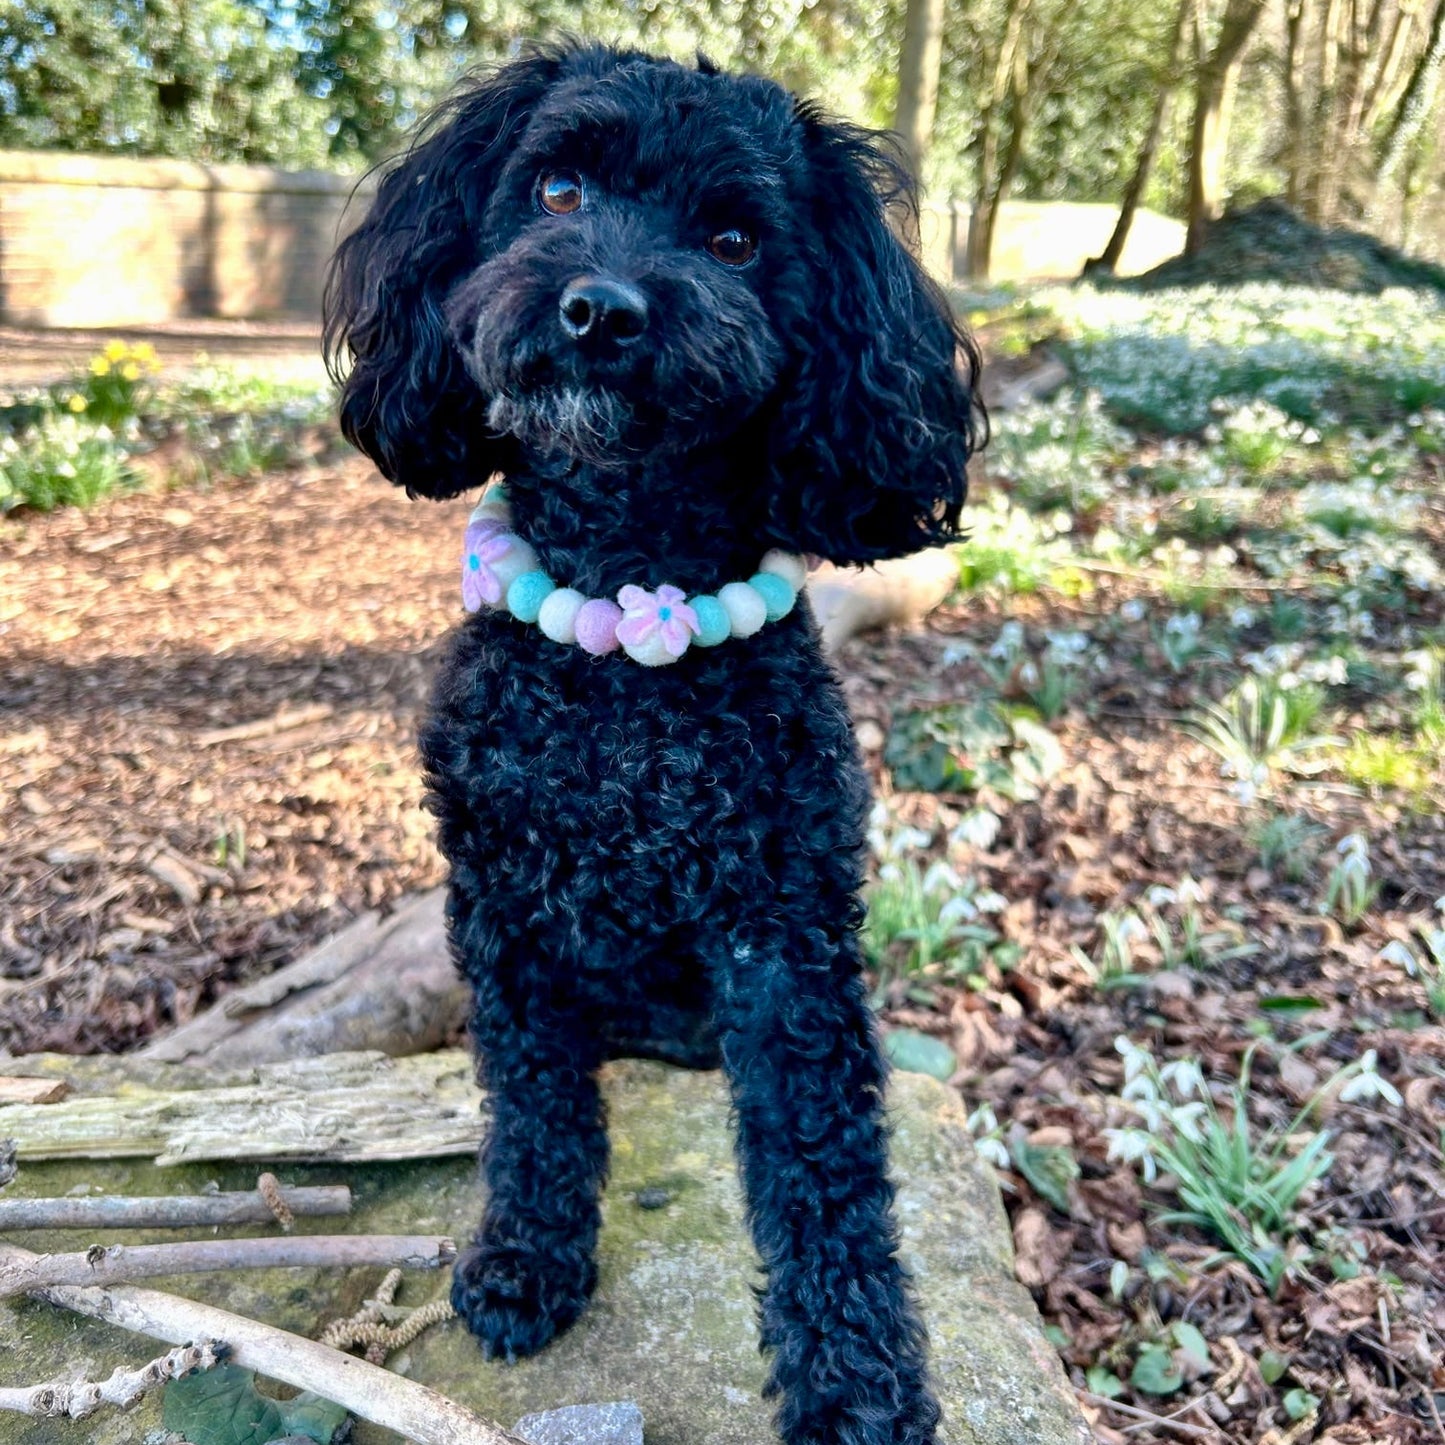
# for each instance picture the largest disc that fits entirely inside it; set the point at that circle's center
(580, 772)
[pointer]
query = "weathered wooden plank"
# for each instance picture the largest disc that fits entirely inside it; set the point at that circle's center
(353, 1108)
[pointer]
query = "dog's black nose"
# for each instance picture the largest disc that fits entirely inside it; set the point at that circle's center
(596, 308)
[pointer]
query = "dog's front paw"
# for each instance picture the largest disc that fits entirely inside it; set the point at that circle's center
(515, 1300)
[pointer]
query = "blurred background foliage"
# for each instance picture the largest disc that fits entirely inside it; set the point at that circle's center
(1175, 104)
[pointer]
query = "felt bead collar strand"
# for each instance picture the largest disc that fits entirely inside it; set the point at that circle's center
(499, 570)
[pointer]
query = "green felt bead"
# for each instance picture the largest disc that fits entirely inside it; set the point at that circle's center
(527, 594)
(777, 592)
(712, 618)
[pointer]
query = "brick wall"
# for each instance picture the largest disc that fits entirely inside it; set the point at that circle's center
(104, 241)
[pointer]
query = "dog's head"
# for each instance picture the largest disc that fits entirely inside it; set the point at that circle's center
(594, 256)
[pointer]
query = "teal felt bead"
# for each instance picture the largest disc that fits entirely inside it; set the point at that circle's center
(527, 594)
(777, 592)
(713, 620)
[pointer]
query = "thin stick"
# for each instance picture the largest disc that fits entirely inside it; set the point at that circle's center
(391, 1401)
(85, 1397)
(119, 1262)
(167, 1212)
(266, 727)
(1194, 1432)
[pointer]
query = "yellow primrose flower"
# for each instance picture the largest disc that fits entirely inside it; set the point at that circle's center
(76, 402)
(130, 371)
(100, 367)
(116, 351)
(145, 353)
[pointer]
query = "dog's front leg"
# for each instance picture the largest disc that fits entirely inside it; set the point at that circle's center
(531, 1269)
(807, 1086)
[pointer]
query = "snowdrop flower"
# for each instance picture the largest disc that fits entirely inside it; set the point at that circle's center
(987, 901)
(1133, 610)
(1160, 896)
(1400, 954)
(1137, 1059)
(1185, 1077)
(978, 828)
(1367, 1084)
(958, 909)
(1242, 617)
(1126, 1146)
(941, 876)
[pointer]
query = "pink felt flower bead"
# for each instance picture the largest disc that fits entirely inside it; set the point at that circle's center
(596, 626)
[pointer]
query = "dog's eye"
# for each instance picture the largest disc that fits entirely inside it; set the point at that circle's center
(560, 192)
(733, 247)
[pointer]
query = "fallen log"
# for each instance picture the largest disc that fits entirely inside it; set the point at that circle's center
(341, 1108)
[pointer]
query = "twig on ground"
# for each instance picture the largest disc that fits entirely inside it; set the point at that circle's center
(278, 722)
(167, 1212)
(369, 1326)
(413, 1411)
(118, 1262)
(1164, 1422)
(84, 1397)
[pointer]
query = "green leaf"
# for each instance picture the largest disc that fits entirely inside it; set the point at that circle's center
(1154, 1371)
(1290, 1003)
(221, 1407)
(1193, 1344)
(1050, 1169)
(1057, 1337)
(1272, 1366)
(311, 1415)
(918, 1053)
(1299, 1403)
(1103, 1382)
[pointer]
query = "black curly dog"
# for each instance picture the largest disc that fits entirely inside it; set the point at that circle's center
(665, 304)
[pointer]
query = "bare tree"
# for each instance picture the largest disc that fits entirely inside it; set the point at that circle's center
(1108, 262)
(918, 70)
(1216, 79)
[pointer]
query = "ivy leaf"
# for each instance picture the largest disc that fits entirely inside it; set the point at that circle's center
(1192, 1345)
(1049, 1168)
(223, 1407)
(919, 1053)
(1272, 1366)
(220, 1407)
(1103, 1382)
(1154, 1371)
(1299, 1403)
(313, 1416)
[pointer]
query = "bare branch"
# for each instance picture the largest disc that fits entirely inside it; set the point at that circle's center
(167, 1212)
(413, 1411)
(118, 1262)
(76, 1400)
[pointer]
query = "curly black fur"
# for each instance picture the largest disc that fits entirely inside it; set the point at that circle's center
(665, 861)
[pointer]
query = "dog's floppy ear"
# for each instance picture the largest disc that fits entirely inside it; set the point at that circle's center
(875, 431)
(405, 398)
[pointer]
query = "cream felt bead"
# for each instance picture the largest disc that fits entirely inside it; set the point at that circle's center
(518, 558)
(558, 615)
(745, 608)
(650, 653)
(792, 569)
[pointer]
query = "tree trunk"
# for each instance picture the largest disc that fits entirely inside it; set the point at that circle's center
(985, 191)
(1296, 163)
(1213, 102)
(918, 69)
(1134, 192)
(1384, 91)
(1416, 103)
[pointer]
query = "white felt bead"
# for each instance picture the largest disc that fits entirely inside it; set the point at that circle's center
(745, 608)
(518, 558)
(792, 569)
(652, 653)
(558, 615)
